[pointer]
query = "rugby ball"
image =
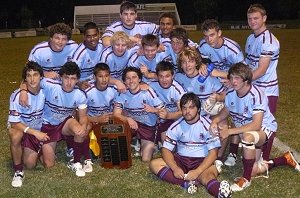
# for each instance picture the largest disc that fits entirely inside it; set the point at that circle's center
(212, 108)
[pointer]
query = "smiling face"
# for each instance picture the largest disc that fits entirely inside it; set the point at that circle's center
(91, 38)
(166, 25)
(119, 47)
(132, 81)
(33, 79)
(58, 42)
(150, 51)
(177, 45)
(188, 66)
(68, 82)
(257, 21)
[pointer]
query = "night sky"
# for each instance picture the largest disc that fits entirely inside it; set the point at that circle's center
(24, 13)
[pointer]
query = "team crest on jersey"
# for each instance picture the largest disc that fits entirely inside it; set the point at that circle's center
(89, 60)
(201, 88)
(144, 102)
(201, 136)
(92, 101)
(232, 103)
(48, 60)
(246, 109)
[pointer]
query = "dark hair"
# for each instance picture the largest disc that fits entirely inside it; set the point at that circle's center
(209, 24)
(181, 34)
(60, 28)
(190, 96)
(101, 67)
(168, 15)
(150, 40)
(69, 68)
(131, 69)
(89, 26)
(34, 66)
(242, 70)
(127, 5)
(164, 66)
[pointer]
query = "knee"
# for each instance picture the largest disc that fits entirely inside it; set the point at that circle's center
(29, 165)
(155, 165)
(15, 137)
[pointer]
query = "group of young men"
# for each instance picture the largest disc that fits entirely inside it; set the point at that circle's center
(147, 75)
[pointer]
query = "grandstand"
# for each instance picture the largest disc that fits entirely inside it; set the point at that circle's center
(104, 15)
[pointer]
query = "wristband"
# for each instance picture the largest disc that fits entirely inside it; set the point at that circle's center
(26, 129)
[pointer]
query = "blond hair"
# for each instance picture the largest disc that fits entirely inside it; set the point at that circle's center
(190, 53)
(119, 35)
(257, 8)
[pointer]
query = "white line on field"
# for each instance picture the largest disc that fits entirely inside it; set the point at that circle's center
(282, 147)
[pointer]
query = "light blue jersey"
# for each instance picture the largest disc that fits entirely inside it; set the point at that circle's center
(117, 63)
(139, 60)
(224, 57)
(100, 101)
(191, 140)
(140, 27)
(50, 60)
(86, 60)
(30, 116)
(242, 109)
(133, 105)
(264, 45)
(60, 104)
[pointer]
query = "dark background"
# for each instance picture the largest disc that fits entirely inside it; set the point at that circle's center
(28, 13)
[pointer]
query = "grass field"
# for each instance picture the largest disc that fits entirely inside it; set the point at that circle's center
(138, 181)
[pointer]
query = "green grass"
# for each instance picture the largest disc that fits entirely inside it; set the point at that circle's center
(137, 181)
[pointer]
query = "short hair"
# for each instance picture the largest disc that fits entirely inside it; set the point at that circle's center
(242, 70)
(191, 53)
(60, 28)
(190, 96)
(181, 34)
(69, 68)
(131, 69)
(119, 35)
(34, 66)
(168, 15)
(90, 25)
(127, 5)
(257, 8)
(101, 67)
(150, 40)
(209, 24)
(164, 66)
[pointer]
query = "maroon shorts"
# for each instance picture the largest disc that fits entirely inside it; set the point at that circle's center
(31, 142)
(163, 127)
(188, 163)
(54, 131)
(273, 104)
(146, 132)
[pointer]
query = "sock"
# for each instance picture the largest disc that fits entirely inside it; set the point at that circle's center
(69, 141)
(213, 187)
(86, 149)
(166, 174)
(77, 146)
(233, 148)
(18, 167)
(266, 149)
(248, 166)
(278, 161)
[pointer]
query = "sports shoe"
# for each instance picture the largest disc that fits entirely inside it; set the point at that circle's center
(231, 159)
(70, 152)
(219, 164)
(18, 178)
(291, 161)
(77, 168)
(88, 166)
(240, 183)
(224, 190)
(191, 187)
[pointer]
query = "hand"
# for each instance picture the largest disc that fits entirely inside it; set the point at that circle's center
(23, 99)
(224, 133)
(144, 86)
(213, 129)
(163, 113)
(203, 70)
(104, 118)
(226, 83)
(213, 98)
(144, 70)
(121, 87)
(51, 74)
(41, 136)
(191, 175)
(81, 132)
(178, 173)
(161, 48)
(149, 108)
(132, 123)
(83, 85)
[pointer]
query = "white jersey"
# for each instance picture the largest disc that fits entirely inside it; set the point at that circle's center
(50, 60)
(60, 104)
(242, 109)
(100, 101)
(264, 45)
(133, 105)
(139, 60)
(170, 96)
(172, 57)
(191, 140)
(117, 63)
(86, 60)
(140, 27)
(30, 116)
(224, 57)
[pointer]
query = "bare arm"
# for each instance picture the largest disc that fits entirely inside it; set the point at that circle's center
(38, 134)
(118, 113)
(169, 159)
(106, 41)
(263, 64)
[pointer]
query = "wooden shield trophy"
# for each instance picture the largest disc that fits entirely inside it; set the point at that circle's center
(114, 139)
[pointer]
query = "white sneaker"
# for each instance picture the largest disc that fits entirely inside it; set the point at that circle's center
(231, 159)
(18, 178)
(191, 187)
(88, 166)
(240, 184)
(224, 190)
(219, 164)
(77, 168)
